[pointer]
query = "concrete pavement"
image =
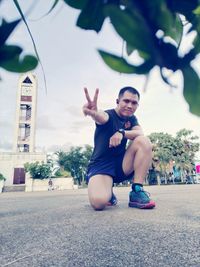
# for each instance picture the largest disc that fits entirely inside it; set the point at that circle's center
(59, 228)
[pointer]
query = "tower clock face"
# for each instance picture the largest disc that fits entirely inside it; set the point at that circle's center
(26, 91)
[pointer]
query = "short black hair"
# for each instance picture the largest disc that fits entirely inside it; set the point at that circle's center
(129, 89)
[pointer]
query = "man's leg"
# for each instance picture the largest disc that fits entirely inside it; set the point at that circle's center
(138, 157)
(100, 191)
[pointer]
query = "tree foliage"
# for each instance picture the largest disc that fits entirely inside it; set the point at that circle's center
(61, 173)
(2, 177)
(38, 170)
(162, 149)
(186, 146)
(179, 150)
(75, 161)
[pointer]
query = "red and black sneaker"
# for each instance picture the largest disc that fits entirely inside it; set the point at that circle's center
(140, 200)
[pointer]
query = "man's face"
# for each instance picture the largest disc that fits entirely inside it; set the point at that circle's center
(127, 104)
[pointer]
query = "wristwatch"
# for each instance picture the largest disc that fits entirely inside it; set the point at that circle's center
(122, 132)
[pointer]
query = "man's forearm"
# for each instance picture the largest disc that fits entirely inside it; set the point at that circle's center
(132, 134)
(100, 117)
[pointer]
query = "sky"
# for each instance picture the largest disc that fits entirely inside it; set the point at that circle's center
(71, 62)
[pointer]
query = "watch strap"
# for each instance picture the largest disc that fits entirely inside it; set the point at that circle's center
(122, 131)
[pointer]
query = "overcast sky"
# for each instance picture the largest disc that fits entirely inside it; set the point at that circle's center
(71, 62)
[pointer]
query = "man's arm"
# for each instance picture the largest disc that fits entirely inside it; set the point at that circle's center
(134, 132)
(100, 117)
(117, 137)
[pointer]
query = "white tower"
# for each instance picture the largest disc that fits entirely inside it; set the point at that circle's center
(24, 139)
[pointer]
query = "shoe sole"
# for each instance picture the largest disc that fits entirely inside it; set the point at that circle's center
(149, 205)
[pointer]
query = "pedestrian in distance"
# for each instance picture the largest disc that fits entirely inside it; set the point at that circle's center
(112, 161)
(50, 185)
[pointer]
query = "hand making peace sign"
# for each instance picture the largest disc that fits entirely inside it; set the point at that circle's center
(91, 106)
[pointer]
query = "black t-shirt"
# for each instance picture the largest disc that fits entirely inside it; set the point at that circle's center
(104, 132)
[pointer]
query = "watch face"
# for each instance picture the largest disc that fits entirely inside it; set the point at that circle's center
(26, 91)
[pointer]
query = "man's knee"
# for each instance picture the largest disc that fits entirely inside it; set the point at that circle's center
(99, 202)
(143, 142)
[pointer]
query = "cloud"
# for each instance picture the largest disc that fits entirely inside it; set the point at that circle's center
(5, 146)
(64, 147)
(44, 123)
(74, 111)
(79, 126)
(5, 124)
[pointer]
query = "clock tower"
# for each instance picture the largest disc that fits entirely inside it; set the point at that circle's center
(24, 139)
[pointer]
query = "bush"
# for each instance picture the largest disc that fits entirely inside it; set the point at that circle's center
(38, 170)
(2, 177)
(62, 173)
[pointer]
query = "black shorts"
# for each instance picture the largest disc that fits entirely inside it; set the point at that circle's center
(111, 167)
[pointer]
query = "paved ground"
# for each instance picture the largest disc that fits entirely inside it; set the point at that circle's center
(60, 229)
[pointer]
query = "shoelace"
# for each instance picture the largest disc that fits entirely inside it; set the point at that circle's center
(145, 192)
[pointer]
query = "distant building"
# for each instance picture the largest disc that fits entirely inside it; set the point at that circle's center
(24, 138)
(12, 163)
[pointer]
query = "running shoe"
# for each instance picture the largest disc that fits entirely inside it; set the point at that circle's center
(112, 201)
(140, 199)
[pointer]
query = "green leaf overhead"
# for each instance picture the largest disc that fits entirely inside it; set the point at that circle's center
(92, 16)
(129, 49)
(172, 26)
(53, 6)
(197, 44)
(20, 64)
(171, 61)
(6, 28)
(80, 4)
(8, 52)
(191, 90)
(129, 26)
(121, 65)
(51, 9)
(184, 7)
(197, 11)
(159, 17)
